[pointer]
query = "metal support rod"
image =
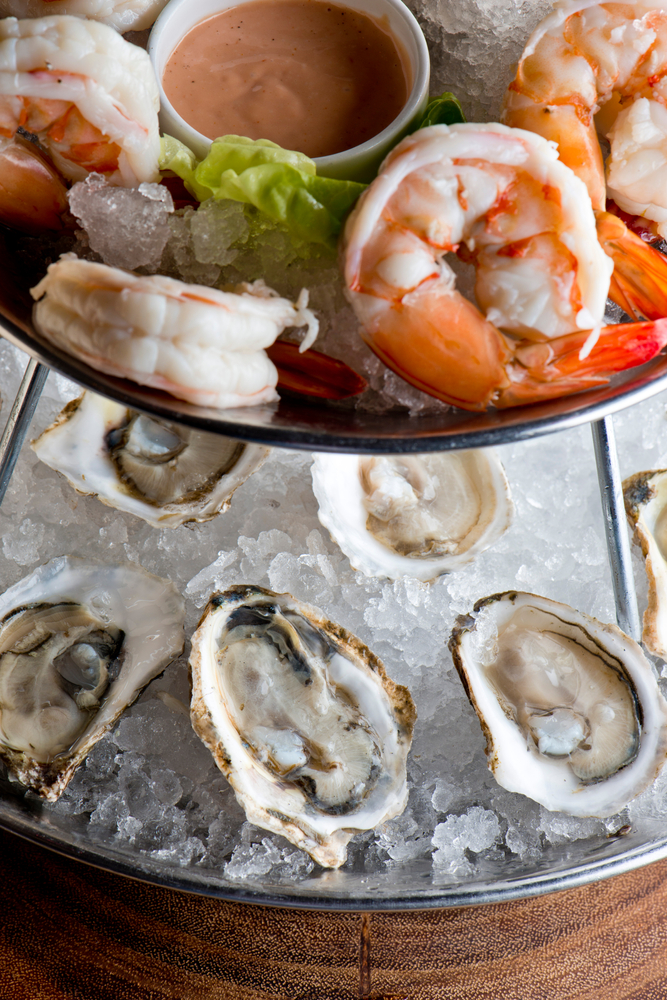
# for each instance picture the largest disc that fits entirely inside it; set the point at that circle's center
(618, 543)
(19, 420)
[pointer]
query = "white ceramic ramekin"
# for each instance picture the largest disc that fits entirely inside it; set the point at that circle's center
(360, 162)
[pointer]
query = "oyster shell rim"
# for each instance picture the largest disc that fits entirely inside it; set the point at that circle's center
(375, 562)
(326, 848)
(49, 780)
(652, 754)
(639, 492)
(169, 515)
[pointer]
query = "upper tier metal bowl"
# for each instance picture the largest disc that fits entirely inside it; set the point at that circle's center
(296, 422)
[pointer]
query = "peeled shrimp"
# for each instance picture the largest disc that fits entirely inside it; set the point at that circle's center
(123, 15)
(194, 342)
(593, 67)
(502, 200)
(89, 96)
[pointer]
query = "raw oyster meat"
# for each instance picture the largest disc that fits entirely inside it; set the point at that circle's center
(78, 642)
(645, 496)
(412, 515)
(301, 718)
(570, 708)
(162, 472)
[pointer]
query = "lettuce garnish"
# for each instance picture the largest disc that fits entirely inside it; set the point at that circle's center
(281, 183)
(443, 110)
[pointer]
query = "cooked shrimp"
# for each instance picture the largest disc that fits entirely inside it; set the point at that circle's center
(592, 67)
(123, 15)
(501, 199)
(194, 342)
(88, 95)
(32, 195)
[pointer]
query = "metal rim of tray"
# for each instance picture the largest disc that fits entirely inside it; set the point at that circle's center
(453, 896)
(319, 426)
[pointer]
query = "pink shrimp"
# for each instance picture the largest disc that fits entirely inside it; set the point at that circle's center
(197, 343)
(594, 67)
(501, 199)
(89, 97)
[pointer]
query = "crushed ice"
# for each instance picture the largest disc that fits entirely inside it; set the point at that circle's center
(127, 227)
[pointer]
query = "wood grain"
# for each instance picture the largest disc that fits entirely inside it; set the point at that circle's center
(71, 932)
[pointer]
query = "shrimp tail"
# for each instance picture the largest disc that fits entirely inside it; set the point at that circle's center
(313, 373)
(639, 282)
(440, 343)
(33, 196)
(554, 368)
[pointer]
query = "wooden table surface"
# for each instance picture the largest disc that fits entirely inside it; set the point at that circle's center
(71, 932)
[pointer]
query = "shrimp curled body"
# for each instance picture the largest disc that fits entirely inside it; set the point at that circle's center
(594, 67)
(89, 96)
(194, 342)
(502, 200)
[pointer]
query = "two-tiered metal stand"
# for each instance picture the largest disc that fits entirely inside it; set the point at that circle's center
(296, 423)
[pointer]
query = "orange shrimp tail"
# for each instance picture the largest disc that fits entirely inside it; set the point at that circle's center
(32, 195)
(440, 343)
(313, 373)
(554, 368)
(639, 282)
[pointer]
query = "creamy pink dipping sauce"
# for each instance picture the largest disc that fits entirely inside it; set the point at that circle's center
(307, 74)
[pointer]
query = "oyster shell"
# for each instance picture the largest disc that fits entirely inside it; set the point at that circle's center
(412, 515)
(78, 642)
(645, 496)
(301, 718)
(570, 708)
(165, 473)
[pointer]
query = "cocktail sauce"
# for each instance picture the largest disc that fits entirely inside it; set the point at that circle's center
(309, 75)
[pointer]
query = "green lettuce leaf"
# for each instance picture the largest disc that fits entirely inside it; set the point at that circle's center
(281, 183)
(443, 110)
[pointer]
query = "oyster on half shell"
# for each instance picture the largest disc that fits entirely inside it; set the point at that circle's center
(570, 708)
(412, 515)
(301, 718)
(645, 496)
(78, 643)
(165, 473)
